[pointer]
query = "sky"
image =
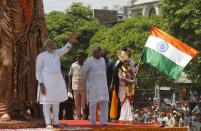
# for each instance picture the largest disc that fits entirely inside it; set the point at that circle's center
(61, 5)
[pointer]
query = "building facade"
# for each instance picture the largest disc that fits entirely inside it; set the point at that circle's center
(106, 17)
(143, 8)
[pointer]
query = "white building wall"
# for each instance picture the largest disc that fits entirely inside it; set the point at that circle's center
(145, 6)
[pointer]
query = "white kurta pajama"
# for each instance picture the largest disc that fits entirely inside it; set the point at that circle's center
(48, 72)
(97, 90)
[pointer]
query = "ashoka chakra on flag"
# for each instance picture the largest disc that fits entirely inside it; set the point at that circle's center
(167, 53)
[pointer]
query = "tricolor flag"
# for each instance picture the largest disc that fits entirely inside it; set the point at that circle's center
(167, 53)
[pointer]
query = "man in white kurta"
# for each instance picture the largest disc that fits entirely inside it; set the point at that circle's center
(52, 87)
(97, 90)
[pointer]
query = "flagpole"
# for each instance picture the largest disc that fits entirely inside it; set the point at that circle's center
(135, 75)
(138, 65)
(137, 68)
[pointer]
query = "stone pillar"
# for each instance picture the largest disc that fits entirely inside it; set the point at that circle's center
(157, 9)
(173, 98)
(144, 11)
(157, 91)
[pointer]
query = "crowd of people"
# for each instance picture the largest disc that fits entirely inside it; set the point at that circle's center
(180, 114)
(86, 90)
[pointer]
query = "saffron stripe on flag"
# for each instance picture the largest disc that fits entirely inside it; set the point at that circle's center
(173, 41)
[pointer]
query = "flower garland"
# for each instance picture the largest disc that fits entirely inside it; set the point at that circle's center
(130, 87)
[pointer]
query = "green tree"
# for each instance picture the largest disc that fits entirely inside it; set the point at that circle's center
(184, 20)
(131, 33)
(77, 18)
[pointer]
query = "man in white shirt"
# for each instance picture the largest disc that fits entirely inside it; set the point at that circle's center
(76, 82)
(97, 90)
(171, 120)
(52, 87)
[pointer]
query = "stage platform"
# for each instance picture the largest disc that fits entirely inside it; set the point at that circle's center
(83, 125)
(22, 124)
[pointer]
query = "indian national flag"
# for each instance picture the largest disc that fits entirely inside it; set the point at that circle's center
(167, 53)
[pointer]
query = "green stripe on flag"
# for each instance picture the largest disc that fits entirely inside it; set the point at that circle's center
(162, 63)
